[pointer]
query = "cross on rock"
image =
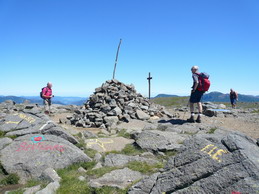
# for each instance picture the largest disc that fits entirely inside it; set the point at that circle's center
(149, 84)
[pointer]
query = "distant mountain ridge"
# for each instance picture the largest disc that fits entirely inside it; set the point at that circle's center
(219, 97)
(36, 99)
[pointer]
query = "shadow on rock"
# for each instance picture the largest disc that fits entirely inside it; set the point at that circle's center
(174, 121)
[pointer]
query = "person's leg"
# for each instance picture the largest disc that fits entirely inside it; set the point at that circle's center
(46, 104)
(200, 107)
(198, 120)
(49, 103)
(191, 119)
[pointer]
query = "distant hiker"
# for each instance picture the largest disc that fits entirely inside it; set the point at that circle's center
(201, 84)
(46, 94)
(233, 98)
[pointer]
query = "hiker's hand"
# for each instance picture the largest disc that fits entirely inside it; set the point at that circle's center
(192, 91)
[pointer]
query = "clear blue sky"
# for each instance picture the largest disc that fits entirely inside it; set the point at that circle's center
(73, 43)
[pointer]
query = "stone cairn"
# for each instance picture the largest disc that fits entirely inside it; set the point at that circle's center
(115, 101)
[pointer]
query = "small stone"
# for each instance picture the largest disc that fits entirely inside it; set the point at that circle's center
(142, 115)
(98, 165)
(81, 170)
(105, 132)
(81, 178)
(98, 157)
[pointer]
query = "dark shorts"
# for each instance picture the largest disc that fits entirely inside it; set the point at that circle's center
(233, 101)
(196, 96)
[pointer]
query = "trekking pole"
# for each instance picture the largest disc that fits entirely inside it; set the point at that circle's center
(186, 108)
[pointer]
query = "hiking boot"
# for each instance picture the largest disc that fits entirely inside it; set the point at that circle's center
(198, 120)
(191, 120)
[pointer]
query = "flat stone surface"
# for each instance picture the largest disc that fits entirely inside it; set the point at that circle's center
(4, 142)
(121, 178)
(144, 186)
(159, 140)
(136, 125)
(108, 144)
(121, 160)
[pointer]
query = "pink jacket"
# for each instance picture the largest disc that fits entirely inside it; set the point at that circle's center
(47, 92)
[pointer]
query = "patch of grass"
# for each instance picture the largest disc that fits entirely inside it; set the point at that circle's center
(129, 149)
(212, 130)
(2, 170)
(96, 173)
(144, 167)
(171, 101)
(34, 182)
(81, 144)
(12, 136)
(189, 133)
(11, 179)
(167, 155)
(255, 111)
(2, 134)
(123, 133)
(88, 165)
(109, 190)
(69, 180)
(90, 152)
(19, 191)
(71, 184)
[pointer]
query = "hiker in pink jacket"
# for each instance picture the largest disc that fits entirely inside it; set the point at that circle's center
(47, 95)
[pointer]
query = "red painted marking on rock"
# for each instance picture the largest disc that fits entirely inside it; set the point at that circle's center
(37, 138)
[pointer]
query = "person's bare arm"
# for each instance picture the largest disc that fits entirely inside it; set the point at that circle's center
(195, 86)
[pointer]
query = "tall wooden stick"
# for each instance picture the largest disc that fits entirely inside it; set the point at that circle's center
(116, 59)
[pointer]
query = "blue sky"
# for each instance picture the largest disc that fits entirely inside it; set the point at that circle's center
(73, 44)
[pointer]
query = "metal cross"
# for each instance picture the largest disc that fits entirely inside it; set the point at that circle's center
(149, 84)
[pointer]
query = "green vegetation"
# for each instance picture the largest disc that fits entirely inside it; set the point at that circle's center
(167, 155)
(34, 182)
(96, 173)
(19, 191)
(123, 133)
(129, 149)
(190, 133)
(212, 130)
(12, 136)
(2, 170)
(11, 179)
(81, 144)
(255, 111)
(171, 101)
(90, 152)
(2, 134)
(144, 167)
(69, 179)
(109, 190)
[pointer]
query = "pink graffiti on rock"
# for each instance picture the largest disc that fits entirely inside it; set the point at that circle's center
(39, 146)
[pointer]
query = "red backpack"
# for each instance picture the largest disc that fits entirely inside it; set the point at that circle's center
(204, 82)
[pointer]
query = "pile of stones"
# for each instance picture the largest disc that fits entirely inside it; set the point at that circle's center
(115, 101)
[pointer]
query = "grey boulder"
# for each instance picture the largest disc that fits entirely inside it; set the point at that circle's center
(159, 140)
(142, 115)
(32, 154)
(119, 160)
(121, 178)
(226, 163)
